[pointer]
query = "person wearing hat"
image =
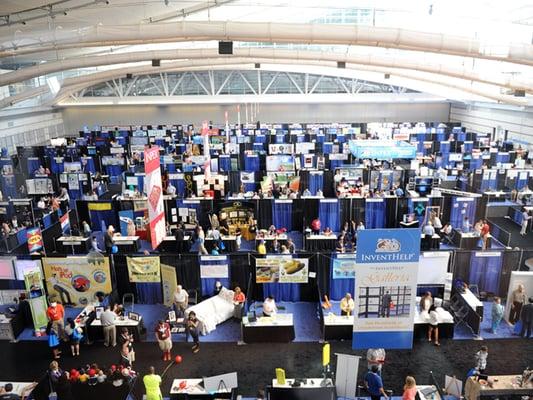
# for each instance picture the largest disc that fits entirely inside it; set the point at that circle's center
(152, 385)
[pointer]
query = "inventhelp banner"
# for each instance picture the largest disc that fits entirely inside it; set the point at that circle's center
(154, 190)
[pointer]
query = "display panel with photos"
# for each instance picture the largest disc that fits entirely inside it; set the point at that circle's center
(280, 163)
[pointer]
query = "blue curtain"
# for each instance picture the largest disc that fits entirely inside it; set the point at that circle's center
(339, 287)
(328, 213)
(320, 138)
(374, 214)
(8, 186)
(282, 214)
(485, 272)
(316, 181)
(224, 163)
(33, 165)
(149, 293)
(282, 291)
(328, 148)
(90, 167)
(208, 285)
(467, 147)
(106, 217)
(522, 179)
(251, 163)
(476, 163)
(460, 210)
(260, 139)
(56, 165)
(114, 170)
(502, 158)
(335, 163)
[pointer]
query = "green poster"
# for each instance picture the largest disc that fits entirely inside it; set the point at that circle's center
(33, 281)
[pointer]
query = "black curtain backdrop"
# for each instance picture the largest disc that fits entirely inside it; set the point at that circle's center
(240, 271)
(329, 189)
(391, 218)
(461, 265)
(304, 180)
(263, 213)
(234, 181)
(308, 211)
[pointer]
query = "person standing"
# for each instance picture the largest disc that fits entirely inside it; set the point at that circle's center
(56, 315)
(193, 330)
(481, 359)
(181, 301)
(386, 300)
(107, 319)
(109, 242)
(525, 219)
(75, 335)
(496, 314)
(374, 384)
(347, 305)
(53, 340)
(201, 241)
(485, 232)
(126, 339)
(518, 298)
(433, 326)
(152, 383)
(238, 301)
(86, 229)
(527, 319)
(164, 339)
(409, 389)
(375, 357)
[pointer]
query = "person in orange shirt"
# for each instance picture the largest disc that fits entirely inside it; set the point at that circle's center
(238, 300)
(409, 389)
(56, 315)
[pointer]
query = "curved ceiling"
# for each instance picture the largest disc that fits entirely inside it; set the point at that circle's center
(476, 50)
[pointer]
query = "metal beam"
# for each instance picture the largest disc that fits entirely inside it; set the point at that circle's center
(316, 84)
(224, 82)
(178, 83)
(271, 82)
(247, 83)
(294, 82)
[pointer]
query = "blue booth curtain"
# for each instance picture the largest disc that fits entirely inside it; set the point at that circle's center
(467, 147)
(502, 158)
(328, 213)
(56, 165)
(260, 139)
(485, 272)
(100, 218)
(522, 180)
(476, 163)
(149, 293)
(282, 291)
(374, 213)
(251, 163)
(328, 147)
(90, 167)
(33, 165)
(224, 163)
(335, 164)
(316, 181)
(258, 147)
(9, 188)
(320, 138)
(208, 285)
(282, 214)
(462, 208)
(339, 287)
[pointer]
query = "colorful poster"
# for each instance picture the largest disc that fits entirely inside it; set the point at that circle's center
(65, 222)
(214, 267)
(33, 282)
(343, 267)
(280, 163)
(75, 280)
(144, 269)
(169, 283)
(282, 269)
(153, 185)
(385, 288)
(35, 239)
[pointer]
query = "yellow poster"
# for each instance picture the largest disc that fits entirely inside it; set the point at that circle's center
(144, 269)
(76, 280)
(169, 281)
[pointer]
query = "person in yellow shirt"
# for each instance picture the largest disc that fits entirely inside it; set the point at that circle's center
(347, 305)
(261, 248)
(152, 383)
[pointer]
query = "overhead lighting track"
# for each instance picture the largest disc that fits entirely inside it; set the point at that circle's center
(50, 10)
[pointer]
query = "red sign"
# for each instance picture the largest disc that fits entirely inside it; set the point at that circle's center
(153, 184)
(35, 239)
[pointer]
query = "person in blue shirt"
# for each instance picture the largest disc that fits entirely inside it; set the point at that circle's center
(398, 192)
(374, 384)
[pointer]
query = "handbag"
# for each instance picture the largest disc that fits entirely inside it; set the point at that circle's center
(53, 340)
(132, 355)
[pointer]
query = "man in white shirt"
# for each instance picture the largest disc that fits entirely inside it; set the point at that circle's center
(525, 219)
(429, 230)
(107, 319)
(347, 305)
(41, 204)
(181, 300)
(171, 189)
(269, 307)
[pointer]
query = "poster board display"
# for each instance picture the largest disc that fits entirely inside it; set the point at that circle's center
(144, 269)
(282, 269)
(343, 266)
(154, 190)
(169, 283)
(280, 163)
(37, 299)
(214, 267)
(385, 288)
(76, 280)
(22, 267)
(7, 267)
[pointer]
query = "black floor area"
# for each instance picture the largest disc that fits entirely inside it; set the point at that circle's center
(523, 242)
(256, 363)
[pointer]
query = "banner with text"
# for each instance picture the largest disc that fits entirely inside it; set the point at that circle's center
(154, 190)
(144, 269)
(344, 266)
(281, 269)
(33, 281)
(35, 239)
(75, 280)
(385, 288)
(214, 267)
(169, 283)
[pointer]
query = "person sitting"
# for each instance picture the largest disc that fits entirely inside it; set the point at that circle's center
(327, 231)
(86, 229)
(284, 250)
(290, 246)
(466, 225)
(181, 300)
(8, 393)
(94, 245)
(193, 330)
(347, 305)
(215, 251)
(271, 230)
(339, 247)
(261, 248)
(224, 227)
(41, 204)
(276, 248)
(316, 226)
(269, 307)
(477, 227)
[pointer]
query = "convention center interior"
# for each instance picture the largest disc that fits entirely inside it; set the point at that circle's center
(266, 199)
